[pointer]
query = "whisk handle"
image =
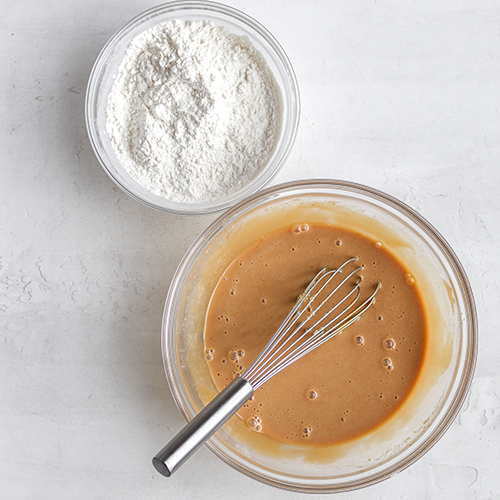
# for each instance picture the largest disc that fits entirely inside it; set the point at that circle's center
(204, 425)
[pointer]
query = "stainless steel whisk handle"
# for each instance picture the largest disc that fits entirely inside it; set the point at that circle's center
(204, 425)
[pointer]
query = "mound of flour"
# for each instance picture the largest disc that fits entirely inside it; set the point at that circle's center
(194, 113)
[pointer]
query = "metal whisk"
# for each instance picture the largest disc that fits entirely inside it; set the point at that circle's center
(307, 326)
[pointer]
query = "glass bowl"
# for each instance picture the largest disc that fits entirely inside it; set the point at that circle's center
(449, 359)
(105, 71)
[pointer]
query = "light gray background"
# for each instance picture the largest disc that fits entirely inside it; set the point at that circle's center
(402, 96)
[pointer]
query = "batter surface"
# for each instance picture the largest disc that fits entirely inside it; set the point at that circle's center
(351, 384)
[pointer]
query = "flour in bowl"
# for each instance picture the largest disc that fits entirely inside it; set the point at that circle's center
(195, 112)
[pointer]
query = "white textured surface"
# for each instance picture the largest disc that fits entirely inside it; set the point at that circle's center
(401, 96)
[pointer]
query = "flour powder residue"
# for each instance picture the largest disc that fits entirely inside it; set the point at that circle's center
(195, 112)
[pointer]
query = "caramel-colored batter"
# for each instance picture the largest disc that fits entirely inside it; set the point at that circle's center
(351, 384)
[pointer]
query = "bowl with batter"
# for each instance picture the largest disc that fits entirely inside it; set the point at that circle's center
(364, 405)
(191, 107)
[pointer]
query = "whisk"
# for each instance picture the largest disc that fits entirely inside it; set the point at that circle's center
(307, 326)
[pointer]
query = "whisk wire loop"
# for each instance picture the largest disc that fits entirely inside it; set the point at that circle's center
(321, 336)
(278, 355)
(293, 316)
(292, 340)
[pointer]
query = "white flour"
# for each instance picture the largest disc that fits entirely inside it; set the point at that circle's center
(194, 113)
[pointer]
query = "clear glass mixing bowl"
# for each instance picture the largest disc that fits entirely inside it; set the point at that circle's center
(448, 366)
(105, 71)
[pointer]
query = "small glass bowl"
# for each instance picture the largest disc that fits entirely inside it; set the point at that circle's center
(105, 71)
(448, 364)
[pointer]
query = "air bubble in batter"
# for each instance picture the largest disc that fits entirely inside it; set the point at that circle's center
(312, 394)
(254, 423)
(389, 344)
(386, 362)
(233, 356)
(300, 228)
(359, 340)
